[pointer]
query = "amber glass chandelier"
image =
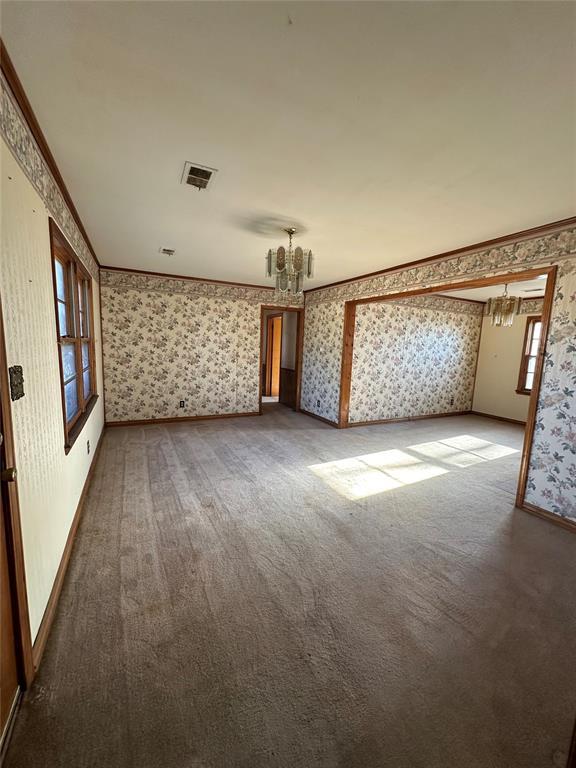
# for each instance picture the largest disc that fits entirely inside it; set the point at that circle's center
(289, 266)
(503, 308)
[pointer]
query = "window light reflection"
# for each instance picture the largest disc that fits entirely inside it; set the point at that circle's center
(361, 476)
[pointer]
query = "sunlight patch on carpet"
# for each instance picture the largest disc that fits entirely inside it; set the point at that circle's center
(360, 476)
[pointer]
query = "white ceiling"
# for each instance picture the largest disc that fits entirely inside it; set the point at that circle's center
(525, 289)
(391, 131)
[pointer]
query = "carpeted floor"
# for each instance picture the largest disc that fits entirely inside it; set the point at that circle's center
(271, 592)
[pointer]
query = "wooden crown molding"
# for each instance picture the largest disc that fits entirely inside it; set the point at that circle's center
(19, 94)
(525, 234)
(105, 268)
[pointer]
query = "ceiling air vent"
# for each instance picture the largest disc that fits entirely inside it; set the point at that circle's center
(198, 176)
(167, 251)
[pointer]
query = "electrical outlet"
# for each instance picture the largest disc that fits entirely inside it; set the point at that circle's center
(87, 446)
(317, 403)
(182, 403)
(451, 401)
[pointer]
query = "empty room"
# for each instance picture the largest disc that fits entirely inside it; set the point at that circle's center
(288, 384)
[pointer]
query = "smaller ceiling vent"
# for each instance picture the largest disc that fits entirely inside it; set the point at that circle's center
(167, 251)
(198, 176)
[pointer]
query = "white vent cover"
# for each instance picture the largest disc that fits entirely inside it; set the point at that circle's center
(198, 176)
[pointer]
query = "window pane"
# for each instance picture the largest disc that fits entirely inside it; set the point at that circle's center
(60, 281)
(531, 365)
(62, 325)
(529, 380)
(71, 399)
(534, 346)
(85, 324)
(80, 295)
(68, 361)
(537, 328)
(85, 354)
(86, 381)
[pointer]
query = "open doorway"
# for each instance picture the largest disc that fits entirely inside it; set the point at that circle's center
(280, 356)
(403, 360)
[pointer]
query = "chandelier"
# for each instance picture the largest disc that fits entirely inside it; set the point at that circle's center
(503, 308)
(289, 266)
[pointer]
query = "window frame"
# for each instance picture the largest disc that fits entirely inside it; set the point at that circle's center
(531, 321)
(76, 278)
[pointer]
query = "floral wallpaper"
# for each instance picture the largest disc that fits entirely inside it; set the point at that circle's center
(552, 474)
(551, 479)
(321, 360)
(16, 133)
(414, 357)
(167, 340)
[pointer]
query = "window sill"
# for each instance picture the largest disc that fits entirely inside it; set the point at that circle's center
(523, 391)
(74, 432)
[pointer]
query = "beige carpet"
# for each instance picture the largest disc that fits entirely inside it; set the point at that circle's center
(228, 606)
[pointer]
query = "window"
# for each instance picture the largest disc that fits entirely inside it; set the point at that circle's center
(75, 333)
(529, 354)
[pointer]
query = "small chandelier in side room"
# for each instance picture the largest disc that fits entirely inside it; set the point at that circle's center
(289, 266)
(503, 308)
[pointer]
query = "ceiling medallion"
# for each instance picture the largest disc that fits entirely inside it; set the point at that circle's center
(289, 266)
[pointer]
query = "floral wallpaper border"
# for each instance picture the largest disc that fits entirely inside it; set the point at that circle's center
(538, 251)
(552, 470)
(18, 137)
(120, 280)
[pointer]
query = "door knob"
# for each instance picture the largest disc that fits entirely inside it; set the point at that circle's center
(8, 475)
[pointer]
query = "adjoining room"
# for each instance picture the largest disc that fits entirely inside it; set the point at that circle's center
(287, 384)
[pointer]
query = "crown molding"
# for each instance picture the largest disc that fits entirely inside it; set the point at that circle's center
(525, 234)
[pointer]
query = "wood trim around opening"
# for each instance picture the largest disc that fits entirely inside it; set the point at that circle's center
(299, 349)
(61, 249)
(348, 345)
(19, 94)
(521, 388)
(14, 541)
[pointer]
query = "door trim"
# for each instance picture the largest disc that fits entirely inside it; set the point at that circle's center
(14, 543)
(507, 277)
(299, 349)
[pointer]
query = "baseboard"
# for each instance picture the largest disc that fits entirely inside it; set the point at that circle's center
(563, 522)
(50, 611)
(407, 418)
(320, 418)
(174, 419)
(498, 418)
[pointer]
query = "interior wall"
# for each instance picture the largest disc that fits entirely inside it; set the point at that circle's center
(168, 340)
(551, 483)
(414, 357)
(49, 481)
(498, 368)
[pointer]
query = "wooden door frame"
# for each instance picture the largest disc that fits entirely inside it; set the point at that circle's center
(299, 348)
(269, 350)
(14, 542)
(508, 277)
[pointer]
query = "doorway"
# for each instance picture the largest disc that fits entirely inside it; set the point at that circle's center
(281, 336)
(16, 665)
(274, 328)
(528, 357)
